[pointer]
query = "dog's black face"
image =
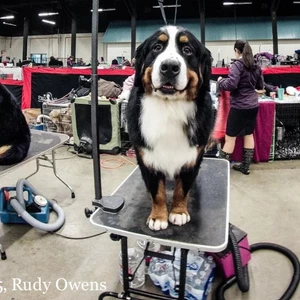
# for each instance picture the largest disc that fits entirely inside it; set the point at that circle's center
(173, 64)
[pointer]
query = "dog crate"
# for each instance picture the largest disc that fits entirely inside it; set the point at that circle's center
(57, 116)
(108, 124)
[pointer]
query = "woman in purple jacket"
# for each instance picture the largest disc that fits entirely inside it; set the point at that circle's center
(245, 77)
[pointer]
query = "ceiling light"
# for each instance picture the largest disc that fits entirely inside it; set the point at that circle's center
(167, 6)
(48, 14)
(296, 2)
(104, 9)
(49, 22)
(236, 3)
(9, 24)
(7, 17)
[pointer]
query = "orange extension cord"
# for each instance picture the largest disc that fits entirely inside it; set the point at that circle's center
(121, 160)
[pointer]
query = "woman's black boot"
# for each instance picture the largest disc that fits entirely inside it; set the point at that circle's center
(225, 155)
(244, 167)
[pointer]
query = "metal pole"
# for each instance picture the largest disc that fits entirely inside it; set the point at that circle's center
(202, 20)
(183, 262)
(94, 102)
(25, 38)
(274, 31)
(73, 37)
(133, 35)
(124, 249)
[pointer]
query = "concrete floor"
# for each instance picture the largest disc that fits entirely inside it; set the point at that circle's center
(265, 204)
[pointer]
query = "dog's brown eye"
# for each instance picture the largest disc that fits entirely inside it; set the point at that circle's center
(157, 47)
(187, 50)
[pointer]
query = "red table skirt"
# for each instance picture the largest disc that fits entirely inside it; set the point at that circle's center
(263, 133)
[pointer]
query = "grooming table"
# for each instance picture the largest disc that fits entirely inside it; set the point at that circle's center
(207, 231)
(41, 143)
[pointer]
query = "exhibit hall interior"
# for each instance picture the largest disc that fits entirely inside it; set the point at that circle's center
(149, 149)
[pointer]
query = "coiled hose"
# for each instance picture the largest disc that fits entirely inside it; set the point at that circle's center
(264, 246)
(242, 275)
(18, 204)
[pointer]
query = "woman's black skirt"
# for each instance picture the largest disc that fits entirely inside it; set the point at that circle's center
(241, 122)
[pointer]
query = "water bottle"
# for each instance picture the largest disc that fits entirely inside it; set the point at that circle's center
(158, 272)
(197, 290)
(194, 261)
(134, 258)
(188, 284)
(153, 246)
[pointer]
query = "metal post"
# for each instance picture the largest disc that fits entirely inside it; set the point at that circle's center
(274, 31)
(202, 20)
(73, 37)
(183, 262)
(133, 35)
(124, 249)
(25, 38)
(94, 102)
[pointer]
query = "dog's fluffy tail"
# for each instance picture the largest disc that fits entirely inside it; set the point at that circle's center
(12, 154)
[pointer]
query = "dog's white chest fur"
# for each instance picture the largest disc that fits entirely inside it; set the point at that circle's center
(163, 126)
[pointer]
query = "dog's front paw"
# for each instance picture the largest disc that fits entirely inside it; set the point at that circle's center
(179, 218)
(157, 224)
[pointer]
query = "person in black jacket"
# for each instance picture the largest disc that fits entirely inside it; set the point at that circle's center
(53, 61)
(245, 77)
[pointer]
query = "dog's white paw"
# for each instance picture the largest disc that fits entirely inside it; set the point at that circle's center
(179, 219)
(156, 225)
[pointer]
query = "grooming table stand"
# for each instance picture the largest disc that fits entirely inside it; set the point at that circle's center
(52, 165)
(207, 231)
(41, 143)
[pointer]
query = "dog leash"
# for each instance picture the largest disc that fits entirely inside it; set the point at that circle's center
(161, 2)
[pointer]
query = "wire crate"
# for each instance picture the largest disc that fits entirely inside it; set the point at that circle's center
(289, 147)
(57, 116)
(288, 113)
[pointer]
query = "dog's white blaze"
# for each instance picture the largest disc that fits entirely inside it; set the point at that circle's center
(162, 125)
(170, 53)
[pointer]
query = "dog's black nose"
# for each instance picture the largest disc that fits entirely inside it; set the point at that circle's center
(170, 68)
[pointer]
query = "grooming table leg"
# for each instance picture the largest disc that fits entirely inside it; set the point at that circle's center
(183, 262)
(54, 171)
(37, 168)
(3, 254)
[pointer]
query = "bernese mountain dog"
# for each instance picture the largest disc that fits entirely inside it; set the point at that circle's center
(14, 130)
(170, 118)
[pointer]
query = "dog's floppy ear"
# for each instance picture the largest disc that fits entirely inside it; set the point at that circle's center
(140, 55)
(206, 63)
(4, 94)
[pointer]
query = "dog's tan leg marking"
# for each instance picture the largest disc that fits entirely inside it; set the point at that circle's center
(158, 218)
(4, 149)
(179, 214)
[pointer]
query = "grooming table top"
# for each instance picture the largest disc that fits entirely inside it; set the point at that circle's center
(208, 207)
(41, 143)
